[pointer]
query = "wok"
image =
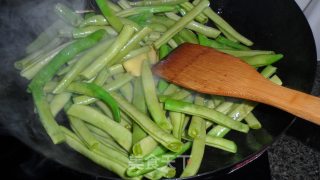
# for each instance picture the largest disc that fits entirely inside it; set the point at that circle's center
(271, 24)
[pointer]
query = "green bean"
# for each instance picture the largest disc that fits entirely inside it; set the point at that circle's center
(82, 63)
(122, 135)
(181, 24)
(196, 121)
(217, 100)
(238, 114)
(189, 6)
(198, 147)
(252, 121)
(75, 143)
(98, 131)
(221, 143)
(109, 14)
(107, 111)
(147, 9)
(113, 6)
(38, 55)
(132, 43)
(230, 43)
(31, 71)
(124, 4)
(79, 127)
(151, 98)
(179, 95)
(116, 69)
(158, 27)
(58, 102)
(136, 52)
(111, 52)
(45, 37)
(158, 151)
(172, 88)
(85, 31)
(210, 114)
(68, 15)
(127, 91)
(96, 20)
(156, 2)
(262, 59)
(133, 171)
(115, 154)
(165, 171)
(98, 92)
(188, 36)
(144, 146)
(112, 86)
(148, 125)
(228, 35)
(49, 86)
(241, 53)
(111, 144)
(195, 26)
(224, 25)
(102, 77)
(173, 44)
(140, 103)
(47, 73)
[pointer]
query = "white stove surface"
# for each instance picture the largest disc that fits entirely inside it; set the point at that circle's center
(311, 9)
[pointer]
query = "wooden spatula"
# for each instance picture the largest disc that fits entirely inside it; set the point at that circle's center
(208, 71)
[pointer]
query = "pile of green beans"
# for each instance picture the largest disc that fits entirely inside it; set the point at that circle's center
(96, 68)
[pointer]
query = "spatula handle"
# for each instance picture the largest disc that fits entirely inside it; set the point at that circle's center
(297, 103)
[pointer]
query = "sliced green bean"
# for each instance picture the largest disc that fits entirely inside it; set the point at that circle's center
(181, 24)
(96, 20)
(188, 36)
(122, 135)
(148, 125)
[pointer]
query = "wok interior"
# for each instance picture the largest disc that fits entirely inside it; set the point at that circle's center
(273, 25)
